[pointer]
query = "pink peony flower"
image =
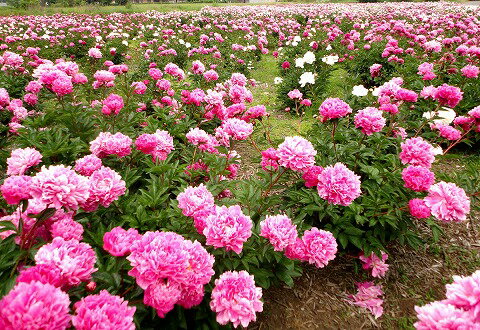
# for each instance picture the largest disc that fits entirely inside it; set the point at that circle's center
(43, 273)
(118, 241)
(338, 185)
(416, 151)
(195, 199)
(88, 164)
(62, 86)
(237, 128)
(21, 160)
(448, 95)
(158, 144)
(296, 153)
(210, 75)
(375, 70)
(310, 175)
(370, 120)
(448, 202)
(75, 261)
(369, 296)
(418, 178)
(103, 310)
(470, 71)
(236, 299)
(162, 296)
(448, 132)
(111, 144)
(295, 94)
(419, 209)
(373, 262)
(279, 230)
(228, 227)
(16, 188)
(333, 108)
(440, 315)
(105, 187)
(269, 159)
(60, 186)
(464, 293)
(112, 104)
(95, 53)
(320, 246)
(67, 228)
(35, 305)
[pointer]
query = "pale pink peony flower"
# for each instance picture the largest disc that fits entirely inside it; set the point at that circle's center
(67, 228)
(95, 53)
(195, 199)
(440, 315)
(370, 120)
(35, 305)
(228, 227)
(320, 246)
(104, 311)
(470, 71)
(373, 262)
(87, 165)
(75, 261)
(16, 188)
(111, 144)
(59, 186)
(296, 153)
(162, 296)
(418, 178)
(375, 70)
(464, 293)
(118, 241)
(295, 94)
(448, 202)
(104, 186)
(448, 132)
(338, 185)
(333, 108)
(21, 160)
(416, 151)
(419, 209)
(369, 296)
(237, 128)
(236, 299)
(279, 230)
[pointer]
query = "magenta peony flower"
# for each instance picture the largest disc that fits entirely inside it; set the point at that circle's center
(237, 128)
(104, 186)
(297, 251)
(162, 296)
(296, 153)
(104, 311)
(370, 120)
(373, 262)
(112, 104)
(35, 305)
(75, 261)
(228, 227)
(195, 199)
(448, 95)
(418, 178)
(60, 186)
(375, 70)
(464, 293)
(21, 160)
(118, 241)
(62, 86)
(44, 273)
(320, 246)
(369, 296)
(111, 144)
(269, 159)
(279, 230)
(236, 299)
(67, 228)
(470, 71)
(333, 108)
(338, 185)
(158, 144)
(16, 188)
(448, 202)
(416, 151)
(440, 315)
(419, 209)
(449, 132)
(88, 164)
(310, 175)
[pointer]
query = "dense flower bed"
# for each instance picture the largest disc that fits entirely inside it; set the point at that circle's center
(120, 178)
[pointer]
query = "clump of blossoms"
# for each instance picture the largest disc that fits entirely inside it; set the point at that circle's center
(236, 299)
(296, 153)
(109, 311)
(228, 227)
(338, 185)
(460, 309)
(35, 305)
(279, 230)
(171, 270)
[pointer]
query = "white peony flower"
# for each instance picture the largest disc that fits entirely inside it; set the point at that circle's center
(359, 90)
(306, 78)
(309, 57)
(277, 80)
(299, 62)
(437, 150)
(329, 47)
(297, 39)
(331, 59)
(294, 44)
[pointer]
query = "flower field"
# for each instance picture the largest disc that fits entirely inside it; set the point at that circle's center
(173, 170)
